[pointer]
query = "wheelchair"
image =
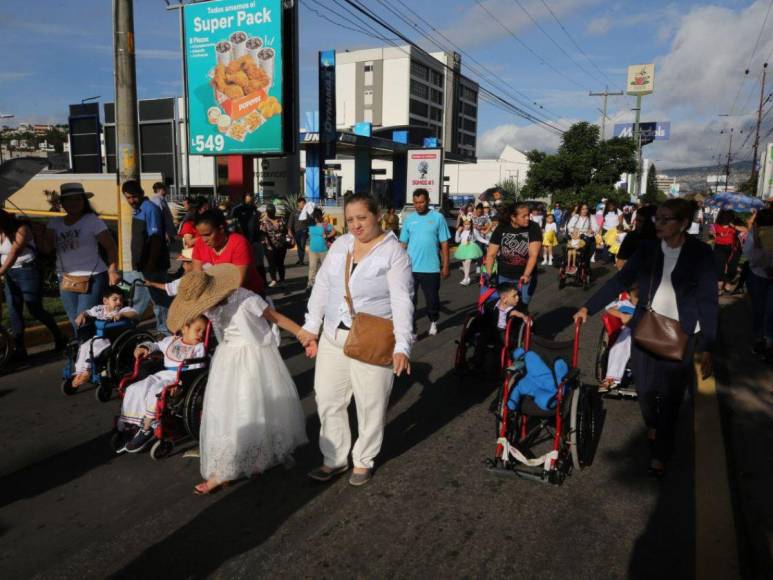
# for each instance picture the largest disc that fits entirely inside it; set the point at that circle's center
(582, 275)
(180, 404)
(468, 344)
(546, 445)
(110, 365)
(609, 332)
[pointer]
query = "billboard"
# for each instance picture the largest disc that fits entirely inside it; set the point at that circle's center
(234, 65)
(641, 79)
(327, 102)
(765, 184)
(657, 131)
(425, 171)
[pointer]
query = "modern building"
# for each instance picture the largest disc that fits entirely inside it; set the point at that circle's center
(403, 86)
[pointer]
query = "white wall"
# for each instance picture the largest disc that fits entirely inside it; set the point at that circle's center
(397, 86)
(345, 94)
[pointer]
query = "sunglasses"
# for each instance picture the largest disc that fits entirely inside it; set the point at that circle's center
(663, 220)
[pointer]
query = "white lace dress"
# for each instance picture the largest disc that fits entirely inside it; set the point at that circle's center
(252, 416)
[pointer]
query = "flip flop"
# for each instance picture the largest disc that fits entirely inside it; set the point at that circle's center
(204, 489)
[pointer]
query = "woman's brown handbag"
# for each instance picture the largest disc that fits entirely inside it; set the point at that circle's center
(76, 284)
(658, 334)
(371, 338)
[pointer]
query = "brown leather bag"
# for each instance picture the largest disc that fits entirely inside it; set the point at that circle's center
(77, 284)
(658, 334)
(371, 338)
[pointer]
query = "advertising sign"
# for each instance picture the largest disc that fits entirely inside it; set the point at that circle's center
(327, 102)
(765, 184)
(641, 79)
(657, 131)
(233, 60)
(425, 171)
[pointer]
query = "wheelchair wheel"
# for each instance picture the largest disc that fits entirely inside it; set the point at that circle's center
(193, 406)
(121, 359)
(582, 427)
(67, 388)
(602, 354)
(104, 391)
(6, 346)
(161, 448)
(465, 347)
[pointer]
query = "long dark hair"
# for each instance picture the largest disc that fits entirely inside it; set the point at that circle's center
(644, 224)
(9, 224)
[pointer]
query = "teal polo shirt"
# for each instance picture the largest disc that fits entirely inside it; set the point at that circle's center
(424, 234)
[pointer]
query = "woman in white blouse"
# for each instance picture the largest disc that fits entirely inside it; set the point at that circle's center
(381, 284)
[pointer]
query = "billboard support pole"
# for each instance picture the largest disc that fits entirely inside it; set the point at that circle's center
(126, 129)
(184, 77)
(637, 139)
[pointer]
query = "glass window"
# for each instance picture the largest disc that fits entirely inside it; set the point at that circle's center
(368, 115)
(368, 97)
(369, 78)
(419, 89)
(419, 108)
(419, 70)
(437, 78)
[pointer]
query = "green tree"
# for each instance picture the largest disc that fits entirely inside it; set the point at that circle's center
(509, 187)
(653, 195)
(583, 168)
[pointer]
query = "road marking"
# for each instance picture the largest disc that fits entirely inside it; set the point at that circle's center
(716, 552)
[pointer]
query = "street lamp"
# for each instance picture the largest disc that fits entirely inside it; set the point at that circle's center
(4, 116)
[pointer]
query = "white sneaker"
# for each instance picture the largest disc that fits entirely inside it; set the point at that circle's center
(544, 261)
(593, 259)
(272, 284)
(433, 329)
(465, 282)
(477, 269)
(550, 261)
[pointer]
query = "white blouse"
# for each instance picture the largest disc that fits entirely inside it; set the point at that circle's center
(381, 285)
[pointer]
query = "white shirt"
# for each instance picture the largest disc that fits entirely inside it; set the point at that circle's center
(100, 312)
(176, 351)
(77, 249)
(587, 225)
(25, 256)
(381, 285)
(612, 220)
(664, 301)
(552, 227)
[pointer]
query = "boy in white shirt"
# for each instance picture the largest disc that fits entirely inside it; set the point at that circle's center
(111, 309)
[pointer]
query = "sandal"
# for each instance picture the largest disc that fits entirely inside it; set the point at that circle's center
(606, 385)
(204, 488)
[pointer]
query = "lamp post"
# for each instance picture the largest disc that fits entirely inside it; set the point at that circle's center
(4, 116)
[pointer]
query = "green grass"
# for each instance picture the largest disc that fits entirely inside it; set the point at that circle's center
(51, 304)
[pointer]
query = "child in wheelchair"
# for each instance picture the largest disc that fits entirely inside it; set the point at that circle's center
(574, 248)
(138, 410)
(492, 322)
(111, 309)
(620, 350)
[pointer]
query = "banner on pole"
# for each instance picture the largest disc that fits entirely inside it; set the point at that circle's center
(234, 64)
(425, 171)
(327, 103)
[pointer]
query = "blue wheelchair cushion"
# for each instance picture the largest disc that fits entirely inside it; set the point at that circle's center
(538, 382)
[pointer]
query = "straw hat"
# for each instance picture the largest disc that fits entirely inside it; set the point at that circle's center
(200, 291)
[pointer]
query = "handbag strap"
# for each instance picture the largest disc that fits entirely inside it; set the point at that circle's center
(347, 269)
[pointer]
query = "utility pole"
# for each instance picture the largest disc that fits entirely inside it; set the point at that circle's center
(753, 177)
(606, 94)
(727, 165)
(126, 130)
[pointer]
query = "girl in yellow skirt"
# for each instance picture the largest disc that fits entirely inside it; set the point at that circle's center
(549, 240)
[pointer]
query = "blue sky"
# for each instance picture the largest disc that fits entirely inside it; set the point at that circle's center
(61, 51)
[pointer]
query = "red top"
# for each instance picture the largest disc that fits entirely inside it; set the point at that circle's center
(237, 251)
(188, 228)
(724, 235)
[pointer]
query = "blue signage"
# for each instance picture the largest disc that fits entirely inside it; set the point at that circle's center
(657, 131)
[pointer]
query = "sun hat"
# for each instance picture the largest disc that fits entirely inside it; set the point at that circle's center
(74, 188)
(200, 291)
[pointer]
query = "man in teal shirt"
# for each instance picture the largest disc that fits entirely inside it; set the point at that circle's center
(425, 235)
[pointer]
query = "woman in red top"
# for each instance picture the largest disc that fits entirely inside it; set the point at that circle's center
(727, 247)
(187, 229)
(215, 245)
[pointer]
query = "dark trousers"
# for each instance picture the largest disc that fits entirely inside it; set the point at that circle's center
(22, 286)
(430, 285)
(661, 385)
(276, 263)
(300, 243)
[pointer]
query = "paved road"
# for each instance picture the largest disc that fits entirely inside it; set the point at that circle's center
(69, 508)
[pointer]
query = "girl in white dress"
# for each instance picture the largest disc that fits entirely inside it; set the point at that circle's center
(252, 418)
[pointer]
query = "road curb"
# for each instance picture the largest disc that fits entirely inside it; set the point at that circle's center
(716, 551)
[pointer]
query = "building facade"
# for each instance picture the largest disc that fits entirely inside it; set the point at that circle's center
(402, 86)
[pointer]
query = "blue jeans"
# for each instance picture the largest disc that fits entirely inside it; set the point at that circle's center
(75, 303)
(300, 243)
(526, 293)
(761, 294)
(22, 286)
(143, 296)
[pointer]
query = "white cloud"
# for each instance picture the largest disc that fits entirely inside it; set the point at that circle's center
(522, 137)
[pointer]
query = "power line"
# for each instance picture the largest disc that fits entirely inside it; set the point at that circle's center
(521, 98)
(751, 58)
(528, 48)
(351, 28)
(517, 110)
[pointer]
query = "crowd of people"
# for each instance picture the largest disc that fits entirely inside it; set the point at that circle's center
(362, 288)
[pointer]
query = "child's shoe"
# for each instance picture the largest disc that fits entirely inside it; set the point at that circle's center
(141, 440)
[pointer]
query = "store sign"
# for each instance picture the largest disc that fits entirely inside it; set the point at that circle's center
(657, 131)
(641, 79)
(327, 103)
(233, 63)
(425, 171)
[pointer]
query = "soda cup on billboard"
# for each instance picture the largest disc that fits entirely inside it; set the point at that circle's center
(238, 40)
(224, 52)
(254, 44)
(266, 57)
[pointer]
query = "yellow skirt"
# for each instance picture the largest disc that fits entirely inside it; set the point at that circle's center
(549, 239)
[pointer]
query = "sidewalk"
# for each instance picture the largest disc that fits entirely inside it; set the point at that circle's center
(745, 387)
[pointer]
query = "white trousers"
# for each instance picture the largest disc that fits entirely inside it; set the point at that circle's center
(619, 355)
(84, 362)
(336, 379)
